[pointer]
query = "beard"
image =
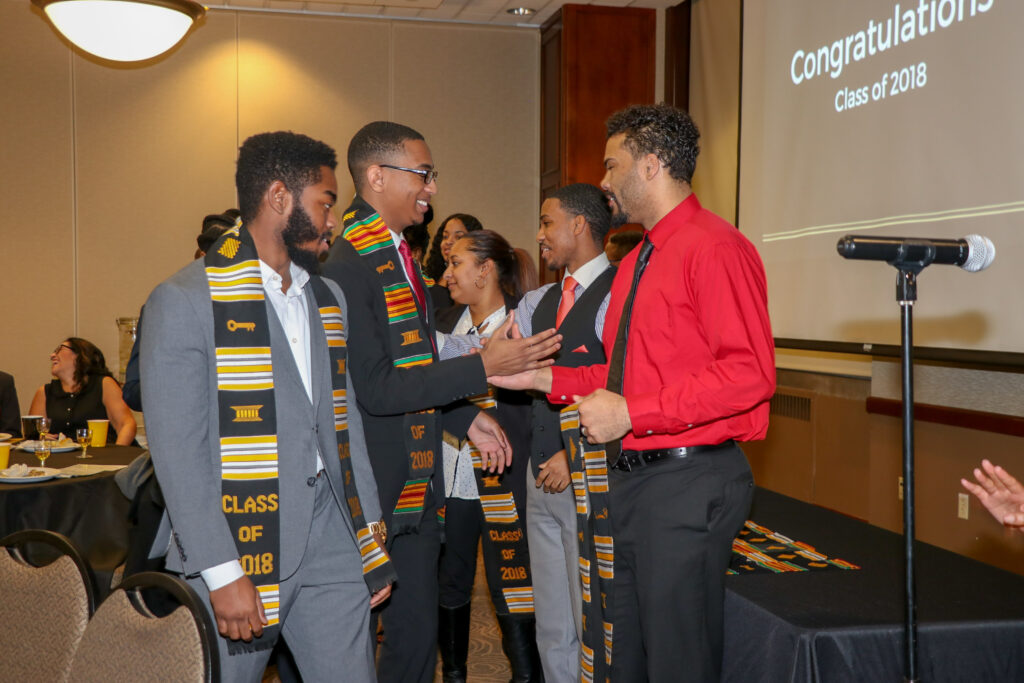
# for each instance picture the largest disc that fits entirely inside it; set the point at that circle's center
(631, 193)
(300, 230)
(619, 216)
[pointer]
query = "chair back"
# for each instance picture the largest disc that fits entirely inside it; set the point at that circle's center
(45, 604)
(126, 641)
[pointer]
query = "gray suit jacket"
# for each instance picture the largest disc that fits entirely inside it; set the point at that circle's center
(180, 403)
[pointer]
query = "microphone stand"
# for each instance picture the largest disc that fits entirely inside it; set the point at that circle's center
(906, 295)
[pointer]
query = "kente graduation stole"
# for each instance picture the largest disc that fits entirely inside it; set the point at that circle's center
(411, 345)
(506, 553)
(248, 423)
(589, 468)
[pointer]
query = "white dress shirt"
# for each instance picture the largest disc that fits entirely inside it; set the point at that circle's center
(459, 478)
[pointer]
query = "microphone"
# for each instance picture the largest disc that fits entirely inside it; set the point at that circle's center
(972, 253)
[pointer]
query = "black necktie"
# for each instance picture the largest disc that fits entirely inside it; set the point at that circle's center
(617, 364)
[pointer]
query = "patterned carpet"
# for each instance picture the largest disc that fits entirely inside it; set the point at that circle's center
(487, 663)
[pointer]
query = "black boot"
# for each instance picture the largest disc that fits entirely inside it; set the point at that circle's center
(519, 641)
(453, 639)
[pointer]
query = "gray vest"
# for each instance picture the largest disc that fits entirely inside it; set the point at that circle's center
(577, 331)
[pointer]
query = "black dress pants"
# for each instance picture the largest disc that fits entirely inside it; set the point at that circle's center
(409, 617)
(674, 522)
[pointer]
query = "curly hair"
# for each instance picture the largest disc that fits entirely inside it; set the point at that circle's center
(584, 199)
(376, 142)
(435, 261)
(660, 129)
(89, 361)
(292, 158)
(487, 244)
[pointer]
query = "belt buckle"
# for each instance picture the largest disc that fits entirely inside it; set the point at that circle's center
(622, 463)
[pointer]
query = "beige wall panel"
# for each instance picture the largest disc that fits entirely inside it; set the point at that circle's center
(784, 461)
(323, 77)
(474, 94)
(156, 150)
(36, 236)
(842, 466)
(714, 101)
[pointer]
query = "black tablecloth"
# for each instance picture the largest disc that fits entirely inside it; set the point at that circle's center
(848, 625)
(91, 510)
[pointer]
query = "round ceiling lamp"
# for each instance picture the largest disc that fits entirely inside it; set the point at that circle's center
(123, 30)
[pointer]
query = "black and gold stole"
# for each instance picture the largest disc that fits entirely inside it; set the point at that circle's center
(589, 467)
(506, 553)
(411, 345)
(248, 423)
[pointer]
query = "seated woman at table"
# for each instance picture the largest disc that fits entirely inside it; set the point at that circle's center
(82, 390)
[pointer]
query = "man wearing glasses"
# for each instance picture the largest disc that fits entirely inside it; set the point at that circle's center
(390, 314)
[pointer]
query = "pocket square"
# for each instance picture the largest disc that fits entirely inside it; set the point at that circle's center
(582, 348)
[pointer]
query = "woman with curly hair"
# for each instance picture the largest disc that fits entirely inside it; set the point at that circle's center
(82, 390)
(448, 233)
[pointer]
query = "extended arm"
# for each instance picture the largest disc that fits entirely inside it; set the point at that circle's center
(387, 390)
(383, 388)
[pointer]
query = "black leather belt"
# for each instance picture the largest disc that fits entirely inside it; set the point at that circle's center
(631, 460)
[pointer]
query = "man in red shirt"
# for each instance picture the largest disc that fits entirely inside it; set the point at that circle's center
(696, 376)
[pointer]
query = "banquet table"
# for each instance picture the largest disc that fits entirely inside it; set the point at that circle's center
(847, 625)
(90, 510)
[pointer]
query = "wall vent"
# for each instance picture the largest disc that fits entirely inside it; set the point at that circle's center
(788, 405)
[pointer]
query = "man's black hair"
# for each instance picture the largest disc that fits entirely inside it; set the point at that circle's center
(584, 199)
(374, 143)
(660, 129)
(292, 158)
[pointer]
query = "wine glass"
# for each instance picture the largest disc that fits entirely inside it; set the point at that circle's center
(84, 436)
(43, 427)
(43, 452)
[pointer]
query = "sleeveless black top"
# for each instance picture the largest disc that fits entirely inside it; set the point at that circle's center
(69, 412)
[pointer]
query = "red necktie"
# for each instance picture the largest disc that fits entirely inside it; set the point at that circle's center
(568, 299)
(410, 270)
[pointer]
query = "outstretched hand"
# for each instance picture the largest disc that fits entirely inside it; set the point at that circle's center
(507, 352)
(490, 439)
(1000, 493)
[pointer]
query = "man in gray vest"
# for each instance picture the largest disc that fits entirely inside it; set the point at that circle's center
(573, 224)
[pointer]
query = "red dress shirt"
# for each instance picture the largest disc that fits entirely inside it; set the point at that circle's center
(700, 359)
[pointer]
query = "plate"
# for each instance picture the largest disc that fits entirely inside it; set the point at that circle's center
(31, 446)
(50, 474)
(4, 436)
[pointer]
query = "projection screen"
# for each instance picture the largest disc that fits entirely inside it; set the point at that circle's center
(885, 118)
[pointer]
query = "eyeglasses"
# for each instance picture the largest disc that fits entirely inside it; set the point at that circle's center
(56, 351)
(428, 176)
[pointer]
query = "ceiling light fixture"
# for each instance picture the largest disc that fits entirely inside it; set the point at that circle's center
(520, 11)
(123, 30)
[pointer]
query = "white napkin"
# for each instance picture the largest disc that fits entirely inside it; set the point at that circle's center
(15, 471)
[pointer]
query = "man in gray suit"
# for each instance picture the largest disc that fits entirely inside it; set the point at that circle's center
(265, 472)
